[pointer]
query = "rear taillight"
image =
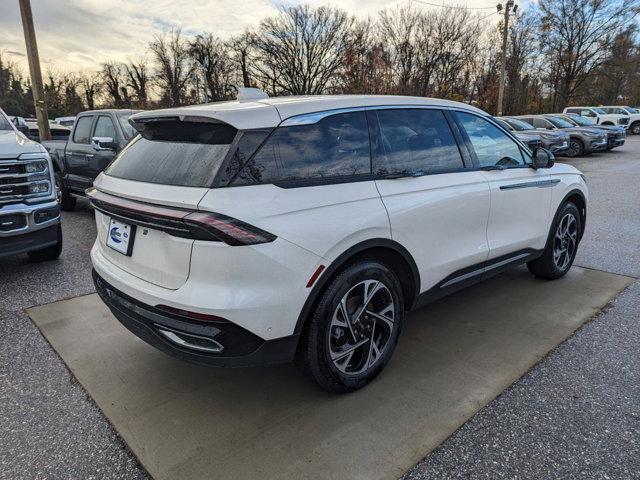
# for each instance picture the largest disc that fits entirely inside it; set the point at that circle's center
(180, 222)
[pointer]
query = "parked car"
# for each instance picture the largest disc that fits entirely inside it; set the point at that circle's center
(20, 124)
(58, 132)
(29, 211)
(555, 141)
(256, 231)
(632, 113)
(96, 138)
(529, 137)
(65, 121)
(616, 135)
(599, 116)
(583, 140)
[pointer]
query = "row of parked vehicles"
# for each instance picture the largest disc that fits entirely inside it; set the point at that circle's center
(270, 229)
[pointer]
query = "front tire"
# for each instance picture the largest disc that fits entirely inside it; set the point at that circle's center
(354, 328)
(576, 148)
(48, 253)
(635, 128)
(67, 202)
(562, 245)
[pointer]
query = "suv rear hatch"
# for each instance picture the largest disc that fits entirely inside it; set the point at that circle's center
(144, 195)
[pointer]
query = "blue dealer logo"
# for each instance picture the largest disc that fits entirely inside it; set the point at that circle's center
(116, 236)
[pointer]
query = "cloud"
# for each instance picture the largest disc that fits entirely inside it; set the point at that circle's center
(80, 34)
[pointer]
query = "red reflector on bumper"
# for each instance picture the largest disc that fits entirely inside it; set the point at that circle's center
(315, 276)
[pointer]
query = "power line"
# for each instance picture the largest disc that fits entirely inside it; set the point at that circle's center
(453, 6)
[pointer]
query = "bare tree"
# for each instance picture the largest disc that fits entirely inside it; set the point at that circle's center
(137, 78)
(240, 47)
(398, 29)
(366, 66)
(576, 36)
(174, 70)
(115, 84)
(91, 86)
(300, 50)
(212, 59)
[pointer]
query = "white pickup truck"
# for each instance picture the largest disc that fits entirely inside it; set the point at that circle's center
(29, 209)
(599, 116)
(632, 113)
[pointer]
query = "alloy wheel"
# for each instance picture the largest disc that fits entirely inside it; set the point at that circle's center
(565, 241)
(574, 149)
(361, 327)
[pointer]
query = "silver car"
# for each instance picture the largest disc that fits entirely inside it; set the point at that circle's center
(583, 140)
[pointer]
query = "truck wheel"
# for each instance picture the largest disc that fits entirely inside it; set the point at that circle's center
(635, 128)
(48, 253)
(562, 245)
(354, 329)
(67, 202)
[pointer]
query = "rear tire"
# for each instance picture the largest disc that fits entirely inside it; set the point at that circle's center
(562, 245)
(635, 128)
(67, 202)
(342, 349)
(48, 253)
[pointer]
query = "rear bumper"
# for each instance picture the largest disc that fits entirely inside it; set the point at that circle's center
(239, 347)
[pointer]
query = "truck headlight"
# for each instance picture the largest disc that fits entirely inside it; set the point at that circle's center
(36, 167)
(42, 187)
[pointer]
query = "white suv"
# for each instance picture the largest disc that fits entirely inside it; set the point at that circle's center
(267, 230)
(599, 116)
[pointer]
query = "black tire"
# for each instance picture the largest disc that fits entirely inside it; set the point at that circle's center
(324, 334)
(48, 253)
(549, 266)
(67, 202)
(635, 128)
(576, 148)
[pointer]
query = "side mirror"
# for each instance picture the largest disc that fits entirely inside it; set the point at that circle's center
(542, 158)
(103, 143)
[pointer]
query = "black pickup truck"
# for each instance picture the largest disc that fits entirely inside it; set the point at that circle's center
(97, 137)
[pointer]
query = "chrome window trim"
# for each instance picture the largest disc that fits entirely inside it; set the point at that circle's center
(315, 117)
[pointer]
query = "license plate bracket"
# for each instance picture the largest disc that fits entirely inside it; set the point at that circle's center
(120, 237)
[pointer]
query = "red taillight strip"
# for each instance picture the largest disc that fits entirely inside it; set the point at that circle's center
(180, 222)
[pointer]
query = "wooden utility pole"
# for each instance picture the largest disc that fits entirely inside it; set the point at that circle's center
(503, 66)
(34, 70)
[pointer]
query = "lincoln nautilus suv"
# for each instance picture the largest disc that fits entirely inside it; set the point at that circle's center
(303, 229)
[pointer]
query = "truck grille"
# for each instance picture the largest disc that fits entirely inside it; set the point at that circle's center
(23, 179)
(623, 121)
(12, 222)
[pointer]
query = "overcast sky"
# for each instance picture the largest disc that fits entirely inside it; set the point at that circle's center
(80, 34)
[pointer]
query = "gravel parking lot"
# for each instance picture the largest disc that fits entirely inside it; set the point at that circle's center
(576, 414)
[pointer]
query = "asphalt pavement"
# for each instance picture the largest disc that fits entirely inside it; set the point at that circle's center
(574, 415)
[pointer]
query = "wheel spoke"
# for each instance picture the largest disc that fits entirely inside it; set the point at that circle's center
(345, 316)
(380, 316)
(349, 350)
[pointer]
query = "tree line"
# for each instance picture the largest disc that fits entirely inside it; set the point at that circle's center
(560, 52)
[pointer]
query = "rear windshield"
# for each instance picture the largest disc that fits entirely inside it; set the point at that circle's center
(186, 154)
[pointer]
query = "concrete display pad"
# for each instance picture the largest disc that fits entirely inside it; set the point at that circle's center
(453, 357)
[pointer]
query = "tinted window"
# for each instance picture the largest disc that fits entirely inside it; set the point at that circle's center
(105, 128)
(246, 146)
(414, 142)
(541, 123)
(492, 146)
(336, 146)
(518, 125)
(127, 129)
(175, 153)
(4, 123)
(82, 133)
(559, 122)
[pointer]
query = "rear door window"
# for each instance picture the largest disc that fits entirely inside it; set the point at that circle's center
(334, 149)
(82, 132)
(171, 152)
(413, 142)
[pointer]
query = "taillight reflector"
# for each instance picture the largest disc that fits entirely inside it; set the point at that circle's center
(315, 276)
